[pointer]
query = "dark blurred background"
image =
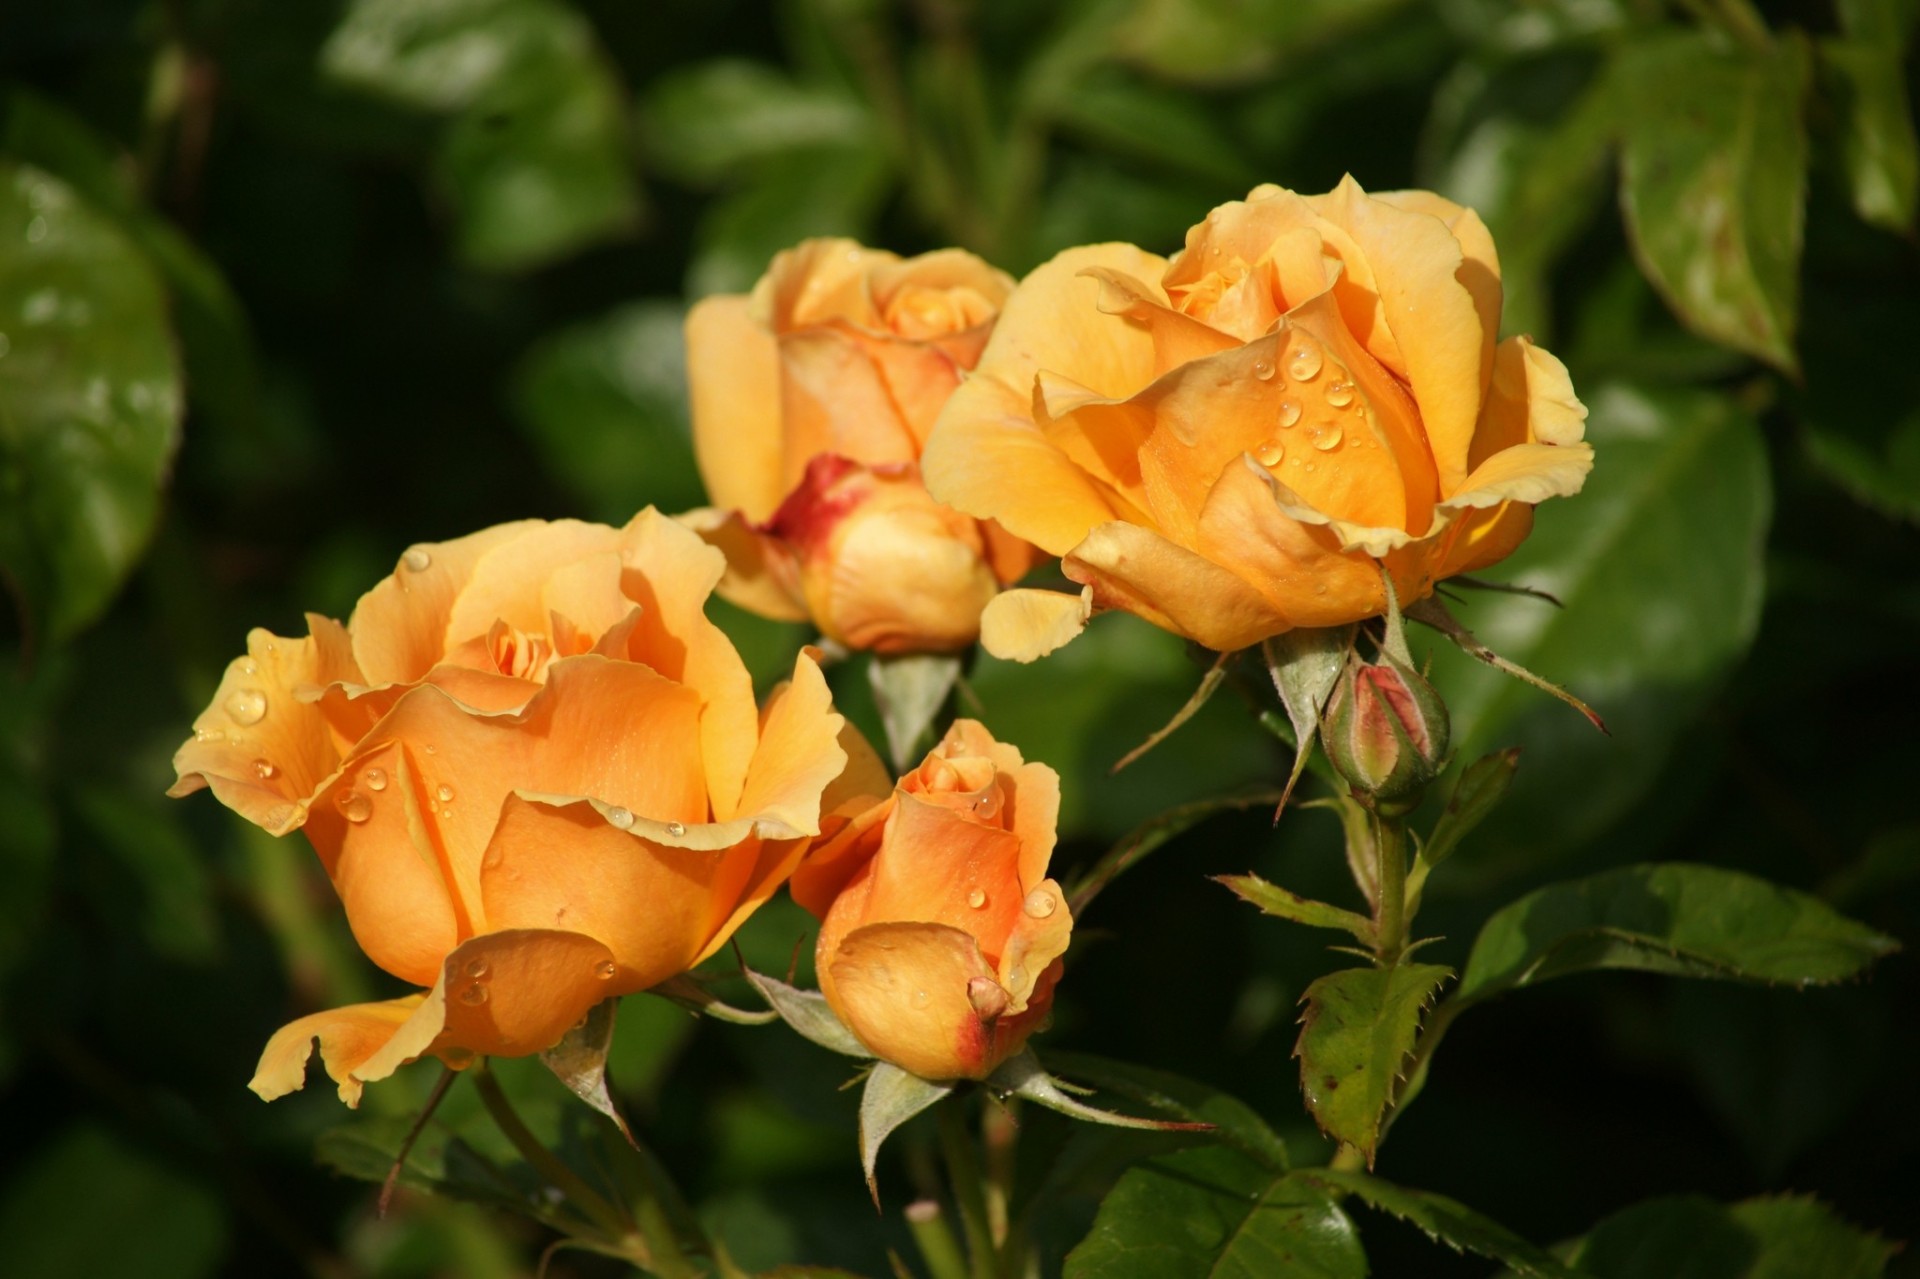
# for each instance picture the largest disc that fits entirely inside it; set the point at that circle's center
(287, 285)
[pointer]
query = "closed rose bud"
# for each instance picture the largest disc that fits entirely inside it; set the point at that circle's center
(941, 935)
(812, 398)
(1386, 732)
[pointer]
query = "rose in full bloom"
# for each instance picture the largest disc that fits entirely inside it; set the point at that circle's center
(536, 775)
(812, 399)
(1231, 442)
(941, 935)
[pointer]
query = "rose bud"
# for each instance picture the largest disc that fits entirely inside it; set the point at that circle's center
(535, 773)
(811, 399)
(1386, 731)
(1233, 441)
(941, 935)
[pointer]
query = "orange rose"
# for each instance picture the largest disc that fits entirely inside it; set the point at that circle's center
(536, 775)
(940, 935)
(1230, 442)
(812, 399)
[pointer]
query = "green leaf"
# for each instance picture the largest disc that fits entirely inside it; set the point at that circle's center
(808, 1012)
(1659, 564)
(1358, 1029)
(1478, 791)
(439, 1164)
(72, 1211)
(1305, 663)
(892, 1096)
(1445, 1221)
(605, 403)
(1877, 135)
(1675, 918)
(535, 153)
(1224, 41)
(1213, 1211)
(1285, 905)
(1713, 183)
(1782, 1237)
(705, 123)
(909, 691)
(579, 1061)
(1023, 1076)
(89, 402)
(1234, 1122)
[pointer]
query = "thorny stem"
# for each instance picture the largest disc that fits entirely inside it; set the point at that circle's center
(969, 1187)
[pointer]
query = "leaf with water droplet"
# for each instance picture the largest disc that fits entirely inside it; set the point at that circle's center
(80, 476)
(579, 1061)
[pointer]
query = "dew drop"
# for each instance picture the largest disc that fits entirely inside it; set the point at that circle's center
(1329, 439)
(1040, 903)
(354, 806)
(1016, 977)
(417, 560)
(605, 969)
(676, 829)
(478, 969)
(375, 779)
(249, 667)
(977, 899)
(1309, 466)
(621, 817)
(264, 769)
(474, 995)
(443, 793)
(208, 735)
(246, 706)
(432, 750)
(1289, 413)
(1339, 394)
(921, 999)
(1263, 369)
(1305, 364)
(1270, 453)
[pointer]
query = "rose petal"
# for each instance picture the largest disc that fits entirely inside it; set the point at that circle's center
(902, 988)
(733, 385)
(347, 1037)
(1479, 271)
(400, 626)
(762, 575)
(798, 756)
(1142, 572)
(510, 580)
(834, 399)
(1024, 625)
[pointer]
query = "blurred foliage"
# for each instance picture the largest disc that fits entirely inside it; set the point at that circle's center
(286, 285)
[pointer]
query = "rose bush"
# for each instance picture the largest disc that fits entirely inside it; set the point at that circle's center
(812, 399)
(941, 935)
(1231, 441)
(536, 775)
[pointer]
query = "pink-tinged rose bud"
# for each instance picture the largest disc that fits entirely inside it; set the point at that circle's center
(1386, 731)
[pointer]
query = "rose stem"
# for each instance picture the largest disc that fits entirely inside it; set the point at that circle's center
(934, 1238)
(963, 1170)
(1390, 915)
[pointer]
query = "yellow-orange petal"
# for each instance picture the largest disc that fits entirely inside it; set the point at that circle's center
(262, 743)
(373, 828)
(1479, 271)
(902, 989)
(866, 775)
(510, 581)
(347, 1038)
(798, 757)
(940, 867)
(1435, 320)
(1040, 931)
(834, 399)
(1138, 570)
(733, 385)
(400, 626)
(762, 576)
(833, 865)
(1025, 625)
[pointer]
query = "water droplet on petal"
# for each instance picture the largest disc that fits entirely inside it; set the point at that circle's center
(474, 995)
(443, 793)
(375, 779)
(675, 829)
(1305, 364)
(208, 735)
(921, 999)
(478, 969)
(1270, 453)
(1040, 903)
(621, 817)
(1328, 440)
(417, 560)
(354, 806)
(605, 970)
(977, 899)
(432, 751)
(249, 667)
(1016, 977)
(264, 769)
(1289, 413)
(1263, 369)
(1309, 466)
(1339, 394)
(246, 706)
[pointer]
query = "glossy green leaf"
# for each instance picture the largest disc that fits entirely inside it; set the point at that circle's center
(1713, 182)
(891, 1097)
(1234, 1122)
(605, 402)
(1445, 1221)
(535, 153)
(1686, 1237)
(1659, 565)
(703, 123)
(1355, 1037)
(1213, 1211)
(89, 1204)
(1675, 918)
(1282, 904)
(89, 402)
(1877, 134)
